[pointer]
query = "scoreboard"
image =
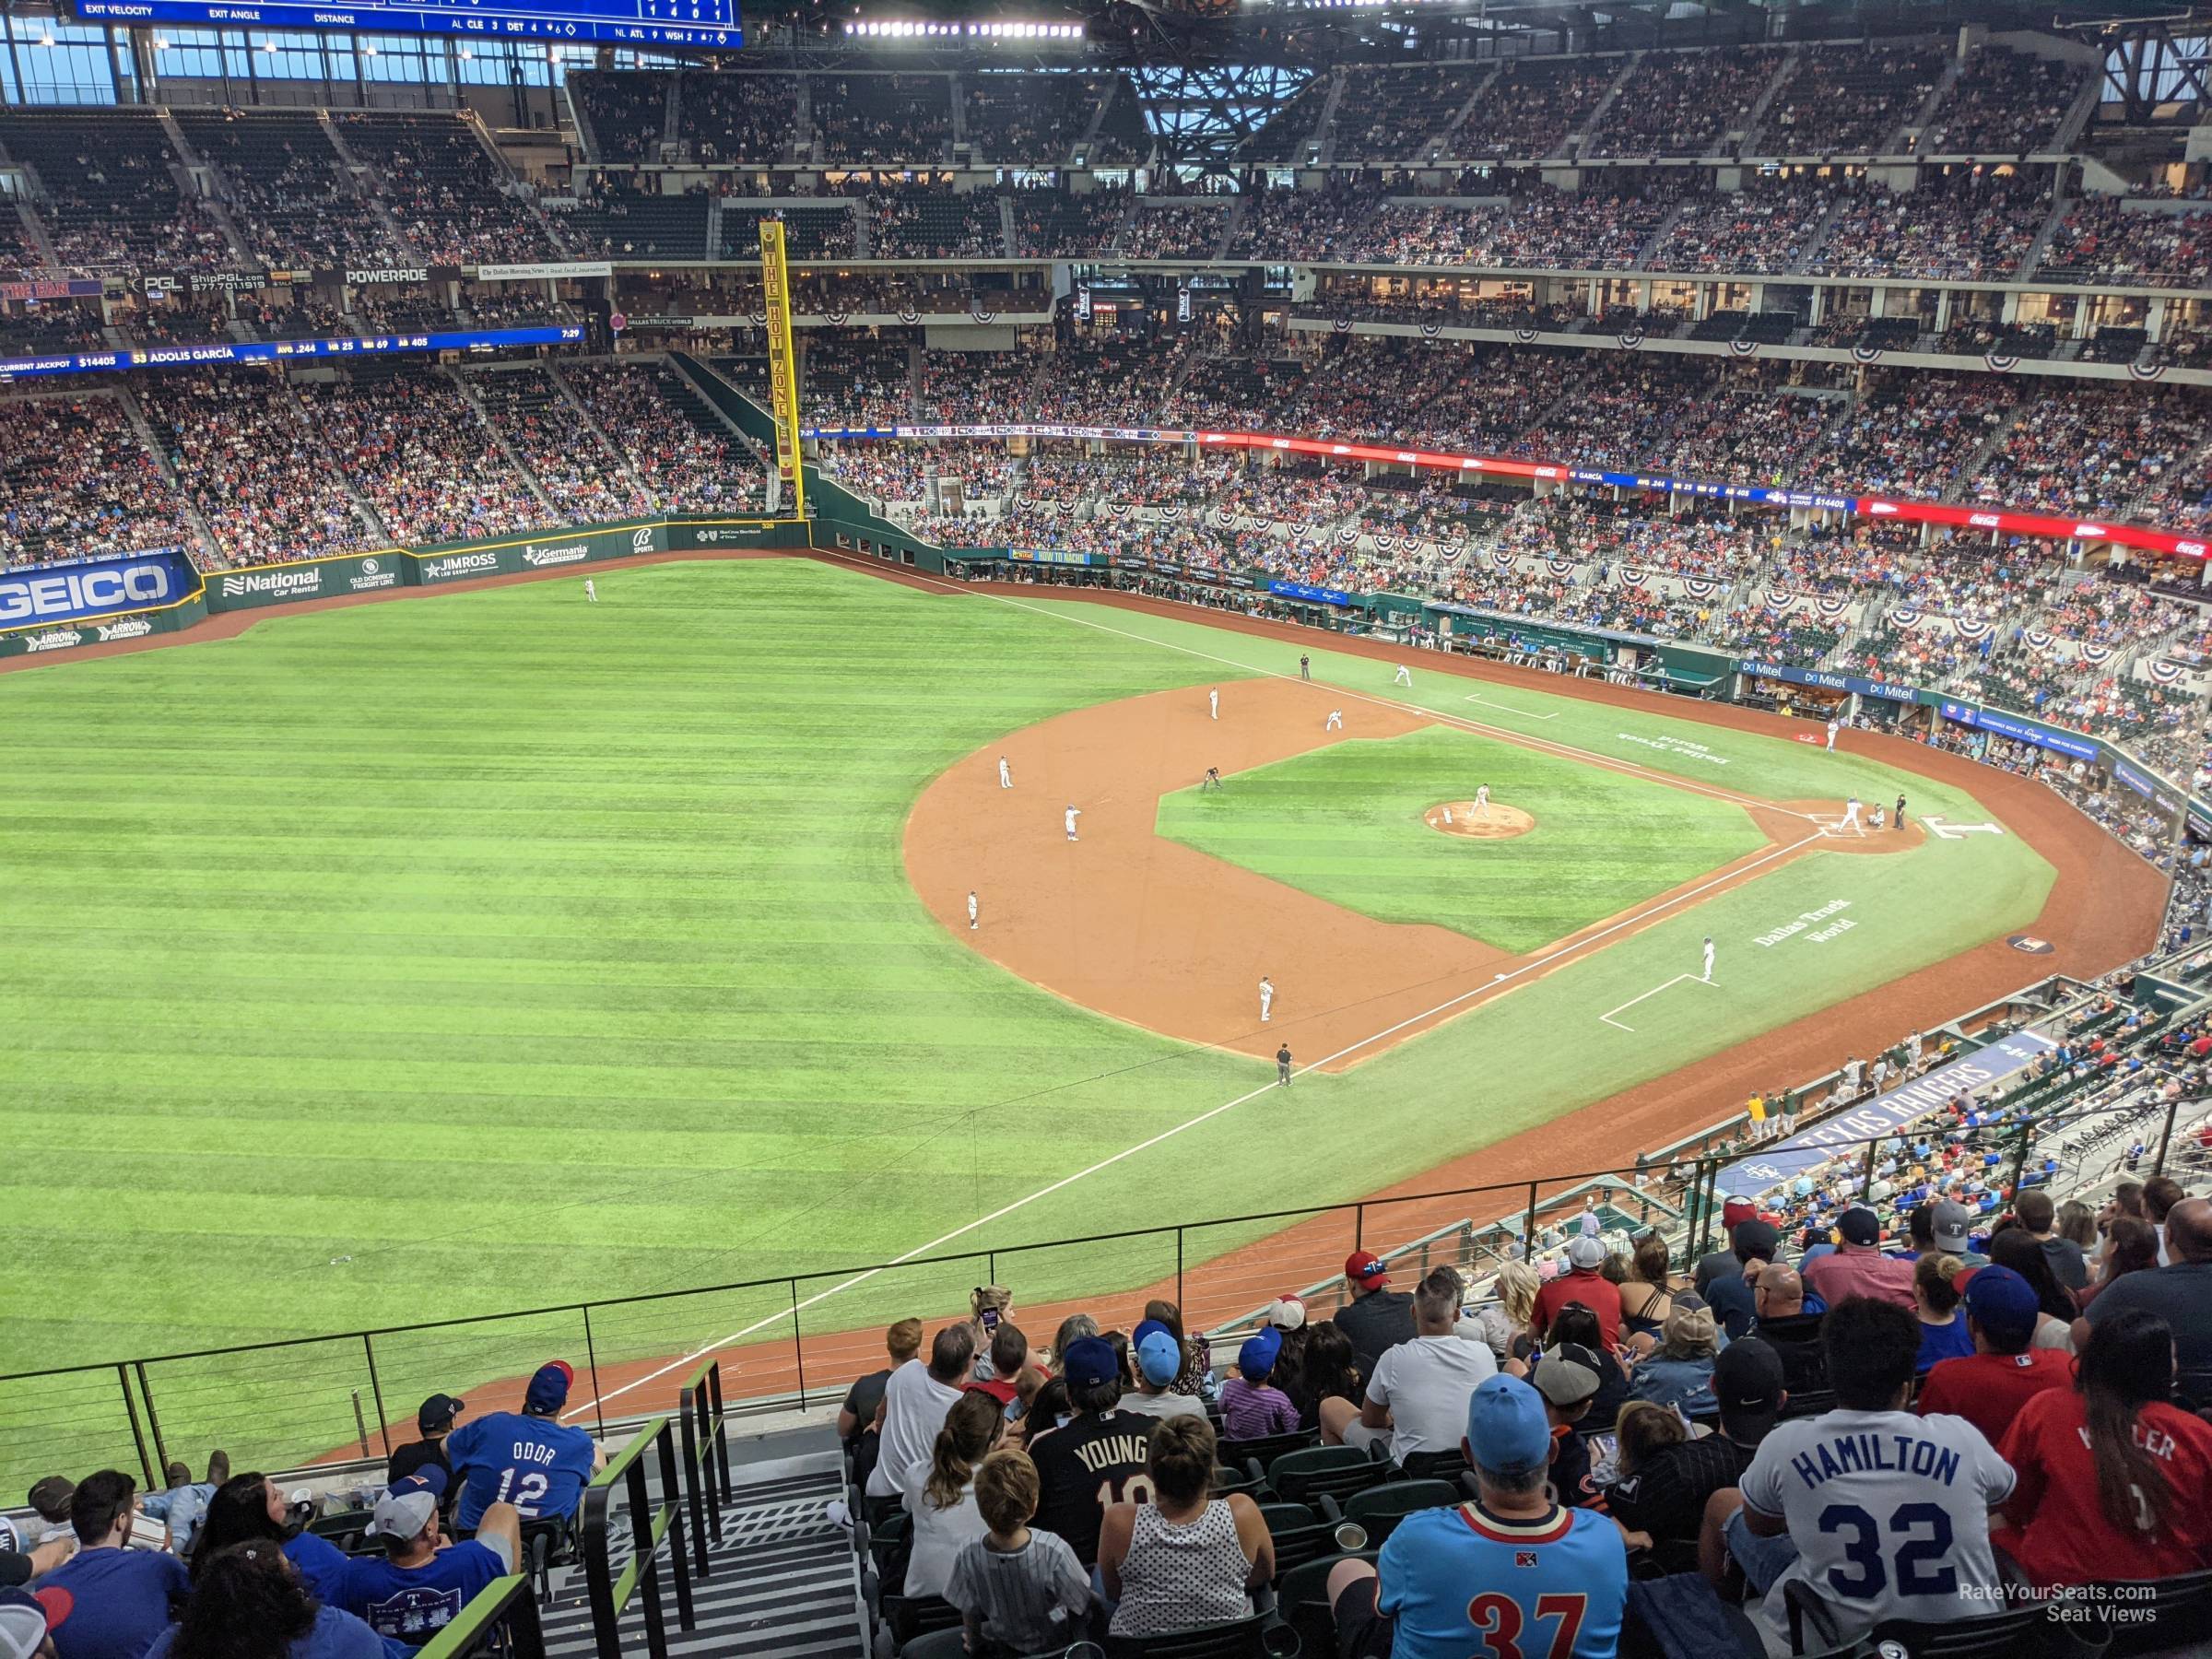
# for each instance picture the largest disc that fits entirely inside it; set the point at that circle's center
(633, 22)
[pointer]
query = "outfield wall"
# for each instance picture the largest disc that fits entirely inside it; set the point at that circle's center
(846, 524)
(365, 575)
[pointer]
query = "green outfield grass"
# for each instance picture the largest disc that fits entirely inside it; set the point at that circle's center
(1345, 823)
(429, 959)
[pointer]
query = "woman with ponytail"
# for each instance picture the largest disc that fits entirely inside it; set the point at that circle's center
(248, 1602)
(2111, 1476)
(940, 1493)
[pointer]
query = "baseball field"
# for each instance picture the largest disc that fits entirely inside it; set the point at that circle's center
(427, 960)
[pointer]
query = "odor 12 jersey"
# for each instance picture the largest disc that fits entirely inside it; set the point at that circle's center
(533, 1462)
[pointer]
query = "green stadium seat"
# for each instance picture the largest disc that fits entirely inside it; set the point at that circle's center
(1331, 1471)
(1379, 1510)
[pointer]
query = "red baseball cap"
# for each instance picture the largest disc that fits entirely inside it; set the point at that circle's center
(1365, 1267)
(1736, 1209)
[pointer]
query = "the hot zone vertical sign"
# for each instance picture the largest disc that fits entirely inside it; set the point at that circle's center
(783, 370)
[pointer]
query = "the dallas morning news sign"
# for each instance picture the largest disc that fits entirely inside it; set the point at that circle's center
(103, 587)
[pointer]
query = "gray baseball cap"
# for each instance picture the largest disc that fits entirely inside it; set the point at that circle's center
(1948, 1226)
(409, 1505)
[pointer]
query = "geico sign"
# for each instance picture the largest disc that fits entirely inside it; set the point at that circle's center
(75, 591)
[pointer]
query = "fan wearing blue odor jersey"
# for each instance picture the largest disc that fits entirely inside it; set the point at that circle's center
(527, 1458)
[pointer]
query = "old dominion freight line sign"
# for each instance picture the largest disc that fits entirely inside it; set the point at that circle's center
(62, 608)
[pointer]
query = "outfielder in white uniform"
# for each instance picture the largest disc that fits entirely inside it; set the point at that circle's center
(591, 592)
(1072, 815)
(971, 912)
(1403, 676)
(1266, 998)
(1832, 728)
(1850, 817)
(1336, 720)
(1708, 956)
(1005, 773)
(1213, 703)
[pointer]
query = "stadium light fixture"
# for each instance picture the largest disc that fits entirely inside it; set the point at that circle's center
(914, 28)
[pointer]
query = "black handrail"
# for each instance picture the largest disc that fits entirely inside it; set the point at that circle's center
(706, 1457)
(500, 1618)
(609, 1593)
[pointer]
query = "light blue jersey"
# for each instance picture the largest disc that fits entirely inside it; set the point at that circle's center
(509, 1457)
(1462, 1582)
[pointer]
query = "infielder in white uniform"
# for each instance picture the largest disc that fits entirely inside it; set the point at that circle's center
(1832, 728)
(1335, 722)
(591, 592)
(1850, 817)
(1266, 998)
(971, 910)
(1072, 815)
(1005, 773)
(1708, 955)
(1403, 676)
(1213, 703)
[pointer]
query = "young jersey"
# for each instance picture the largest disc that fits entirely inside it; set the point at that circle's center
(1889, 1512)
(531, 1461)
(1464, 1581)
(410, 1604)
(1086, 1464)
(2064, 1536)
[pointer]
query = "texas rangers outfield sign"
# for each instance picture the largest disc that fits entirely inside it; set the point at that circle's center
(101, 587)
(1885, 1114)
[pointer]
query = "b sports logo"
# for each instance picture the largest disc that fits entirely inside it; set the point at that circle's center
(641, 539)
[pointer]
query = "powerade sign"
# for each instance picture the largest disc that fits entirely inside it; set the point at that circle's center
(1885, 1114)
(1833, 682)
(1319, 596)
(2019, 731)
(76, 593)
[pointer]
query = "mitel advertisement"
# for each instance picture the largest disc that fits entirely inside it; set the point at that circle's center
(99, 588)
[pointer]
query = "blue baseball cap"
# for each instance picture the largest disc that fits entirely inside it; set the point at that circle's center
(1158, 1357)
(548, 1389)
(2003, 1303)
(1507, 1427)
(1145, 1327)
(1256, 1358)
(1089, 1362)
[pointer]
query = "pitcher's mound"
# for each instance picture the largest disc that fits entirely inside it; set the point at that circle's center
(1493, 822)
